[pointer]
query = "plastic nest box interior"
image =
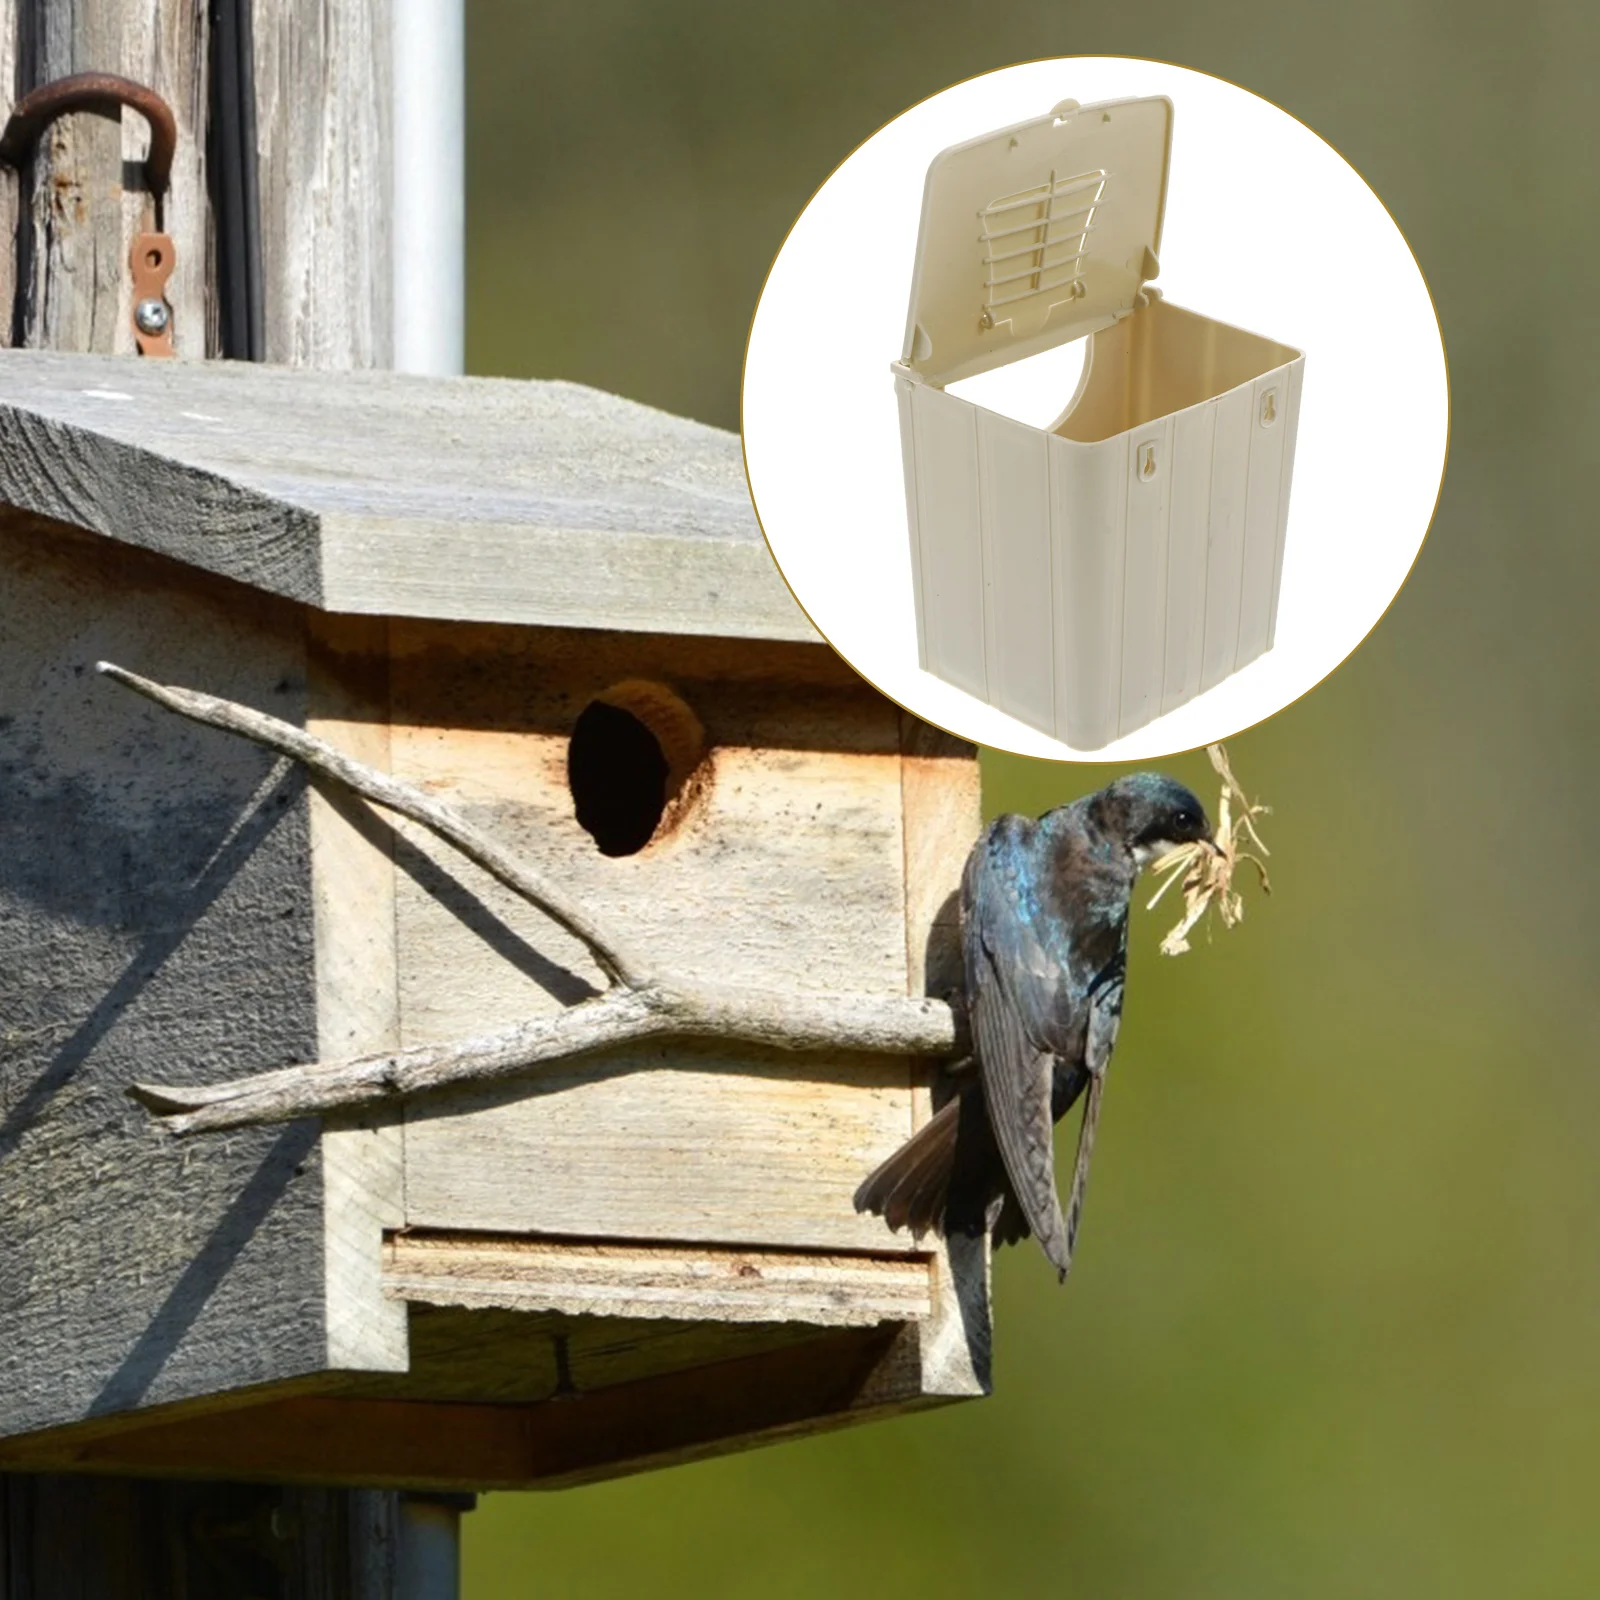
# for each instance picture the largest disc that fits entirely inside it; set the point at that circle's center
(1088, 576)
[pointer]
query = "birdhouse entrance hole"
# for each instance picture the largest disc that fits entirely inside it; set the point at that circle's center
(631, 764)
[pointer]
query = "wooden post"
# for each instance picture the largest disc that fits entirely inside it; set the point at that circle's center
(322, 124)
(322, 82)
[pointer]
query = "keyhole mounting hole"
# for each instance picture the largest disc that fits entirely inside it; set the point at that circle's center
(632, 765)
(1269, 408)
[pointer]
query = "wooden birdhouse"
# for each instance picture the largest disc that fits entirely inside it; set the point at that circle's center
(513, 1170)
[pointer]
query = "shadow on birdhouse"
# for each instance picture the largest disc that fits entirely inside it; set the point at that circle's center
(431, 1182)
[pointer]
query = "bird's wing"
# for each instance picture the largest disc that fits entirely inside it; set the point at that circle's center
(1018, 1077)
(1105, 1014)
(1016, 993)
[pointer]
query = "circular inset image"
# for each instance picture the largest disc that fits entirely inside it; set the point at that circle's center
(1095, 408)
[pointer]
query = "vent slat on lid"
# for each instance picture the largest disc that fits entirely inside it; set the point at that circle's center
(1036, 235)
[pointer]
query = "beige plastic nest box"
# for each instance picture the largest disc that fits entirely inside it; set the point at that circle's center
(1088, 576)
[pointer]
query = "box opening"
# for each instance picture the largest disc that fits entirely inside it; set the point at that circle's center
(1160, 360)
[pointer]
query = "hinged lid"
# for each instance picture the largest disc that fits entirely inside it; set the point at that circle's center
(1038, 234)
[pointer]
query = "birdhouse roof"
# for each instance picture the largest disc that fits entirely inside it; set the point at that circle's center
(474, 499)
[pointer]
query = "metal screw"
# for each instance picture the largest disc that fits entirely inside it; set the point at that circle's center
(152, 316)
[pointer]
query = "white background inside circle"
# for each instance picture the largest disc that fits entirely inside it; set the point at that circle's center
(1266, 227)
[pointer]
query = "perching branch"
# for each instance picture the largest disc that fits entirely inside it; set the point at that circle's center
(638, 1007)
(882, 1024)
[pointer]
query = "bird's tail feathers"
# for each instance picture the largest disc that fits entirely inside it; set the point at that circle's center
(909, 1190)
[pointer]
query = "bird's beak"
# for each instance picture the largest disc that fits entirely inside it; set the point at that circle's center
(1216, 849)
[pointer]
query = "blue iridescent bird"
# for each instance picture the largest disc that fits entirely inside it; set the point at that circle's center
(1044, 927)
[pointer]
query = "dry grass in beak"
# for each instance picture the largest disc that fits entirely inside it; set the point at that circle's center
(1206, 874)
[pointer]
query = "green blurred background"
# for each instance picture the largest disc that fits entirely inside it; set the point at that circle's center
(1334, 1327)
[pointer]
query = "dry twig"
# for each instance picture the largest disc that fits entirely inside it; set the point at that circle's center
(639, 1004)
(1206, 875)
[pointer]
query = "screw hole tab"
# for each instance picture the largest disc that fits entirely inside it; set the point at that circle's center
(151, 260)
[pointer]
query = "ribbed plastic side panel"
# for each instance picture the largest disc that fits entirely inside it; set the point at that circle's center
(1269, 437)
(1086, 589)
(1188, 536)
(1014, 493)
(1089, 499)
(908, 461)
(1230, 486)
(1144, 589)
(948, 529)
(1291, 423)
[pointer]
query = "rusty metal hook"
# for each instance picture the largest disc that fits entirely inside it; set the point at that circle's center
(105, 94)
(152, 257)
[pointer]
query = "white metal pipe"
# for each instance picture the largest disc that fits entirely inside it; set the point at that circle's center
(428, 1547)
(429, 244)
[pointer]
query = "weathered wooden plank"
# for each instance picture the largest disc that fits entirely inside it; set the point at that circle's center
(358, 995)
(70, 1538)
(154, 905)
(11, 196)
(786, 869)
(666, 1281)
(559, 505)
(323, 106)
(941, 798)
(164, 46)
(75, 256)
(54, 1448)
(703, 1145)
(507, 1357)
(516, 1400)
(827, 1381)
(214, 1270)
(87, 199)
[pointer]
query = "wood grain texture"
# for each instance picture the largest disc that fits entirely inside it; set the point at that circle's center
(716, 1147)
(154, 905)
(11, 181)
(164, 46)
(559, 505)
(74, 253)
(157, 1280)
(787, 872)
(360, 778)
(323, 105)
(86, 195)
(668, 1281)
(941, 801)
(765, 1020)
(790, 1390)
(358, 997)
(790, 861)
(71, 1538)
(508, 1357)
(643, 1004)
